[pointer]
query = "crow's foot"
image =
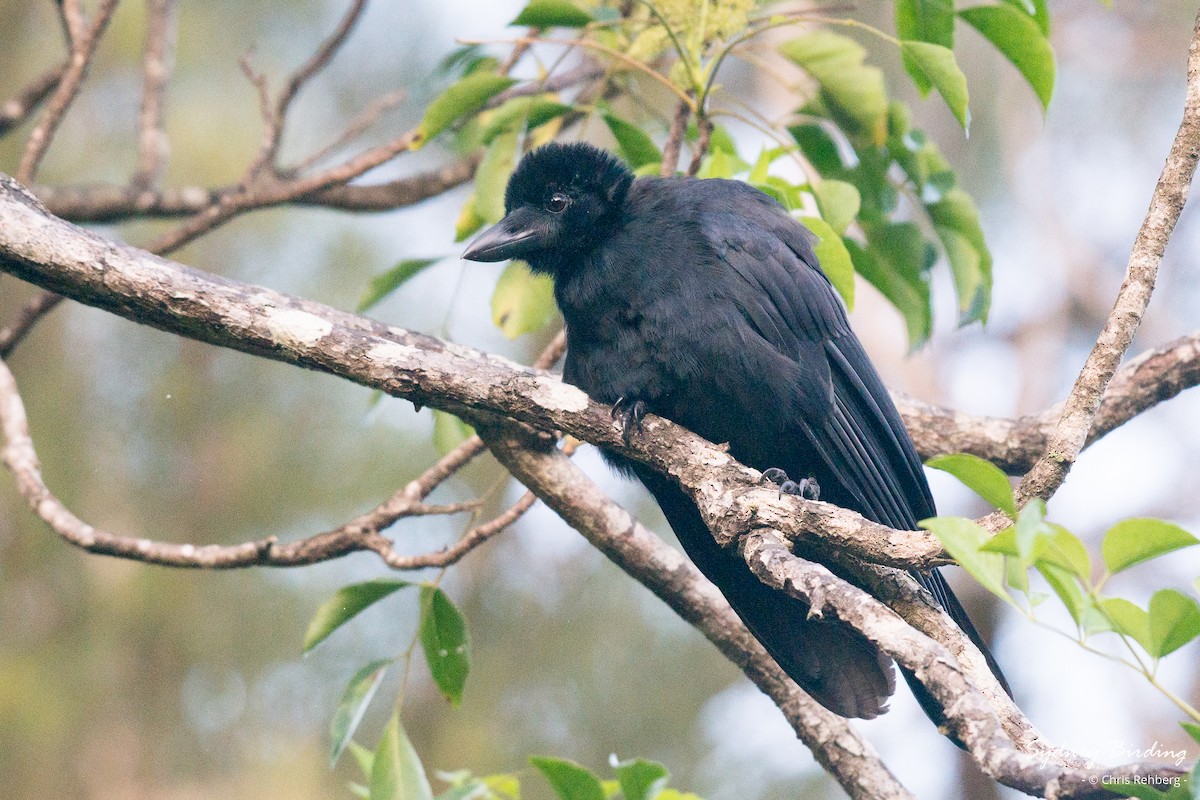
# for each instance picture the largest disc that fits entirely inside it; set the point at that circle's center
(629, 413)
(807, 488)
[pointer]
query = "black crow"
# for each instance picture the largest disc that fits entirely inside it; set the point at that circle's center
(702, 301)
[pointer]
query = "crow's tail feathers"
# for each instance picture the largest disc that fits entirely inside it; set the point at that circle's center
(937, 586)
(835, 664)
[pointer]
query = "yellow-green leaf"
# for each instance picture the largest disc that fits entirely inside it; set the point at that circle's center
(1021, 39)
(522, 302)
(464, 97)
(838, 202)
(963, 540)
(353, 704)
(385, 283)
(1133, 541)
(344, 605)
(939, 66)
(491, 178)
(633, 143)
(552, 14)
(980, 476)
(1174, 621)
(569, 780)
(396, 773)
(854, 90)
(833, 257)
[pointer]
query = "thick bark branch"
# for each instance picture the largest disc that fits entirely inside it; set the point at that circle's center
(63, 258)
(968, 715)
(663, 570)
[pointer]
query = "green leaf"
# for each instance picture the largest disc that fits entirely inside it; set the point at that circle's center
(1056, 545)
(364, 758)
(503, 785)
(523, 113)
(385, 283)
(1004, 543)
(1128, 619)
(344, 605)
(397, 773)
(633, 143)
(833, 257)
(552, 14)
(897, 263)
(966, 267)
(1133, 541)
(1193, 730)
(938, 65)
(675, 794)
(492, 176)
(1066, 586)
(853, 91)
(926, 20)
(468, 220)
(446, 643)
(1022, 41)
(462, 98)
(955, 212)
(1035, 9)
(1030, 527)
(353, 704)
(449, 431)
(569, 780)
(522, 302)
(980, 476)
(641, 779)
(963, 539)
(819, 148)
(1174, 621)
(838, 203)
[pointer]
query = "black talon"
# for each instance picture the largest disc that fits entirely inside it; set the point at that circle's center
(808, 488)
(630, 414)
(775, 475)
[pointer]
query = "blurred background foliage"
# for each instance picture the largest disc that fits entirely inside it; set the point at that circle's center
(119, 680)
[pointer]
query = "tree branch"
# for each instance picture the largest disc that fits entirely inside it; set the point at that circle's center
(157, 62)
(37, 247)
(83, 47)
(663, 570)
(15, 109)
(967, 713)
(1170, 194)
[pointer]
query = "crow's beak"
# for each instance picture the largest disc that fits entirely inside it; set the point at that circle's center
(512, 237)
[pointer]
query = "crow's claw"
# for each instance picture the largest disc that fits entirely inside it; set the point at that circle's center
(775, 475)
(808, 488)
(629, 413)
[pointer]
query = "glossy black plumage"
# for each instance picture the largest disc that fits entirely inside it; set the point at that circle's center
(703, 300)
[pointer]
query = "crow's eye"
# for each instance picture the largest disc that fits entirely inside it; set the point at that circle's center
(558, 203)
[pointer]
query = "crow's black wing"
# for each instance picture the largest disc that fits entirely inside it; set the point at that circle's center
(859, 437)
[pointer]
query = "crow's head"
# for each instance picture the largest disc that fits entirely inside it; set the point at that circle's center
(561, 201)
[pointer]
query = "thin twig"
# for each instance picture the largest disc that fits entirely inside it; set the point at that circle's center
(357, 127)
(14, 110)
(704, 129)
(157, 63)
(83, 47)
(27, 316)
(276, 117)
(1166, 204)
(674, 143)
